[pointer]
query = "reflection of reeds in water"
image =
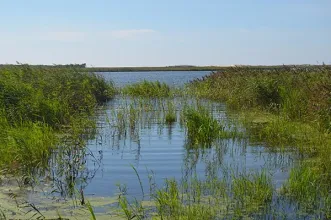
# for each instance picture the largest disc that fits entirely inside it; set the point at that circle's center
(69, 172)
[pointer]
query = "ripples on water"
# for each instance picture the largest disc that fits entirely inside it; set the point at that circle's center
(172, 78)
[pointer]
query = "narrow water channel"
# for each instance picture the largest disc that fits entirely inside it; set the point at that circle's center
(152, 149)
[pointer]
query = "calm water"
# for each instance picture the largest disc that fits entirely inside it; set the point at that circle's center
(161, 149)
(173, 78)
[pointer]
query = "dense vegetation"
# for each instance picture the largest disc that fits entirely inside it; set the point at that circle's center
(285, 108)
(37, 104)
(299, 94)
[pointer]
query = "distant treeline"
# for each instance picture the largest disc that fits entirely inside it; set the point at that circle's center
(83, 65)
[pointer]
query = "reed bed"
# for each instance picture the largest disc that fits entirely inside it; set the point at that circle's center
(147, 89)
(39, 105)
(288, 108)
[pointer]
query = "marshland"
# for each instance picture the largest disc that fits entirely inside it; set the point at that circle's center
(238, 143)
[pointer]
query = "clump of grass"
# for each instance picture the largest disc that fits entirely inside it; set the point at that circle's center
(308, 185)
(148, 89)
(252, 191)
(202, 128)
(170, 118)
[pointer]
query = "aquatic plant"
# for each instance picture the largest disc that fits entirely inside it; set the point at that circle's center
(37, 105)
(170, 114)
(252, 191)
(284, 108)
(202, 128)
(212, 198)
(90, 208)
(147, 89)
(296, 93)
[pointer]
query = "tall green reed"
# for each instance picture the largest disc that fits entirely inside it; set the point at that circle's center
(147, 89)
(37, 104)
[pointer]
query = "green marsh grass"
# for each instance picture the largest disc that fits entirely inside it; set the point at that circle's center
(147, 89)
(301, 94)
(213, 198)
(39, 105)
(253, 191)
(170, 114)
(202, 128)
(286, 107)
(134, 114)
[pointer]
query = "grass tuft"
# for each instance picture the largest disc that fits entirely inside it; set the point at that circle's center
(148, 89)
(202, 128)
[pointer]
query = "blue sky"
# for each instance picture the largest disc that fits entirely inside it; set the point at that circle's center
(160, 33)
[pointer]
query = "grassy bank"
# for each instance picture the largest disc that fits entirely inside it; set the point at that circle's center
(37, 105)
(284, 108)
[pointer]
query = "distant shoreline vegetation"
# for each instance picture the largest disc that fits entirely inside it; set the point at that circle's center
(166, 68)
